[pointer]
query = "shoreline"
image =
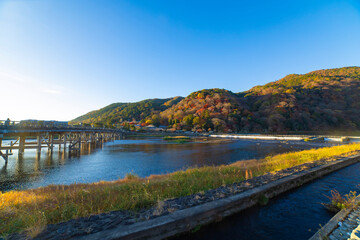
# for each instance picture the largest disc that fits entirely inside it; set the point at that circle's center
(343, 225)
(194, 177)
(256, 136)
(261, 145)
(104, 224)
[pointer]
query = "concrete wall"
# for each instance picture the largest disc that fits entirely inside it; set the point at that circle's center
(184, 220)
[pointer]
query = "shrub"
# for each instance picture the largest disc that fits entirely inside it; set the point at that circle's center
(339, 202)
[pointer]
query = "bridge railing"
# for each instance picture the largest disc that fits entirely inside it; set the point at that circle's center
(8, 123)
(48, 125)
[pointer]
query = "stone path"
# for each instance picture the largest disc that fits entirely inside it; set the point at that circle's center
(349, 229)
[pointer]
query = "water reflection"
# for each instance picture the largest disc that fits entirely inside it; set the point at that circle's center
(140, 156)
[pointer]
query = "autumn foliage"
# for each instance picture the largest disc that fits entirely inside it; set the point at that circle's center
(324, 100)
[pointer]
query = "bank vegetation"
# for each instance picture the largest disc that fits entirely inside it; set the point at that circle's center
(31, 210)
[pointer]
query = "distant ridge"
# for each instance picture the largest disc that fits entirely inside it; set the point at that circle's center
(119, 112)
(323, 100)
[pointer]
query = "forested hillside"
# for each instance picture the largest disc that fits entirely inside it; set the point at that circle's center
(126, 112)
(323, 100)
(210, 109)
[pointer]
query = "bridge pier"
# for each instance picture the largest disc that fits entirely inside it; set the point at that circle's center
(6, 156)
(22, 145)
(79, 142)
(65, 138)
(39, 141)
(90, 141)
(51, 141)
(59, 141)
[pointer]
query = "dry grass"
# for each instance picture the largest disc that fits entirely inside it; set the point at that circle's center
(176, 137)
(32, 209)
(339, 202)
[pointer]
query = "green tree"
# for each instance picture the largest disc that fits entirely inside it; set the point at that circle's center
(188, 120)
(155, 120)
(196, 121)
(98, 124)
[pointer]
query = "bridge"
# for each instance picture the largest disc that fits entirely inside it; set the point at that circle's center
(68, 137)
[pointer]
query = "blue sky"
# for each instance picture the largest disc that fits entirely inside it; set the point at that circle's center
(62, 58)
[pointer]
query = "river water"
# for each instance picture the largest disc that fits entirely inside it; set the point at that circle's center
(294, 215)
(140, 156)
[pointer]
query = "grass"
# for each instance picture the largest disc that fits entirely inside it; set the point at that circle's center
(31, 210)
(144, 135)
(176, 138)
(338, 202)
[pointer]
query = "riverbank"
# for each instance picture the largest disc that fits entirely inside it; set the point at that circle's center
(33, 209)
(287, 137)
(344, 225)
(306, 138)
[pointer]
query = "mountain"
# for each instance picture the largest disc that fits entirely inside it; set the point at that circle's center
(209, 109)
(120, 112)
(323, 100)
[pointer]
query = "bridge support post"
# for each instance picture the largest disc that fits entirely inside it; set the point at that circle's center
(6, 155)
(22, 145)
(79, 142)
(37, 161)
(90, 140)
(59, 141)
(51, 142)
(65, 135)
(39, 140)
(1, 154)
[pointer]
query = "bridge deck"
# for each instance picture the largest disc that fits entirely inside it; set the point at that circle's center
(74, 137)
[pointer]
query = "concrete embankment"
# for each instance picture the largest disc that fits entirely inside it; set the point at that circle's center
(288, 137)
(184, 220)
(259, 137)
(326, 138)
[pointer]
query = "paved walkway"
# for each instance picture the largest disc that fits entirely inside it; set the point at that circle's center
(349, 228)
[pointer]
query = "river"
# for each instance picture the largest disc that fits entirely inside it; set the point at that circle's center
(140, 156)
(295, 215)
